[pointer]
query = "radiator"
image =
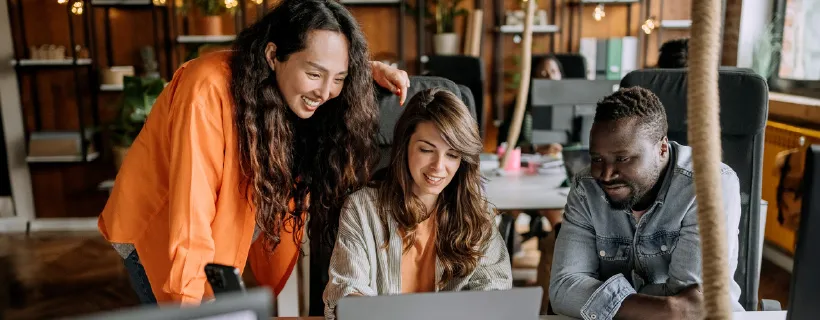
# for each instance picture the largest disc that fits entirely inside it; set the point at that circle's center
(781, 137)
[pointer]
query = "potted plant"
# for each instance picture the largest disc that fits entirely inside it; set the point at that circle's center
(208, 20)
(443, 14)
(139, 95)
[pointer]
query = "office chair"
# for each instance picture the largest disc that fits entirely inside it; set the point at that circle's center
(744, 105)
(463, 70)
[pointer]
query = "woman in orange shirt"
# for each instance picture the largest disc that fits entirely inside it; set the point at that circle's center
(242, 146)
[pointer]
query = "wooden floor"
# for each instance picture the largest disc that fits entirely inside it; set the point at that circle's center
(50, 275)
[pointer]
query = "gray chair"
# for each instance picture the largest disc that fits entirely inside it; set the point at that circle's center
(463, 70)
(744, 108)
(390, 110)
(389, 113)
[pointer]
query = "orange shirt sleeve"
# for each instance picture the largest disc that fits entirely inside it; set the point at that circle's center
(197, 147)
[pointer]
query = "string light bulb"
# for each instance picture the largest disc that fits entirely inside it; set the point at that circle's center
(231, 4)
(159, 2)
(599, 12)
(649, 25)
(62, 1)
(258, 2)
(77, 7)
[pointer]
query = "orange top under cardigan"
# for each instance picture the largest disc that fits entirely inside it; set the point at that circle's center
(177, 196)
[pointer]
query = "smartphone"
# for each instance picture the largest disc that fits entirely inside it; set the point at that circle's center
(224, 279)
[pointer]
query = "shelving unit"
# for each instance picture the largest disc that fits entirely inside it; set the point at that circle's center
(126, 5)
(498, 43)
(672, 24)
(401, 6)
(578, 6)
(205, 39)
(49, 62)
(33, 67)
(551, 28)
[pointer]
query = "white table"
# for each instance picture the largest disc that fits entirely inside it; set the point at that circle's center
(521, 191)
(758, 315)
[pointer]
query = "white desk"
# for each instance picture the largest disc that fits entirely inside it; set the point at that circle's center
(526, 192)
(759, 315)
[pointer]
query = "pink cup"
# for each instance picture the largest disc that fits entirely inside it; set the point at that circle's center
(514, 162)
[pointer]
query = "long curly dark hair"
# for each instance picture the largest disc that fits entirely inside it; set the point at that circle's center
(314, 162)
(464, 220)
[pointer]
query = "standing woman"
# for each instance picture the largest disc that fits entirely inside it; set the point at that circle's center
(242, 147)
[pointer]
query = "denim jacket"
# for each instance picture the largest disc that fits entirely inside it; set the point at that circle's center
(603, 255)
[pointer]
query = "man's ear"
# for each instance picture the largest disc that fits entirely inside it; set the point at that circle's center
(664, 146)
(270, 55)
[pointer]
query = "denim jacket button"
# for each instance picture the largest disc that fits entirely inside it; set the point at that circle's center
(602, 253)
(663, 248)
(593, 316)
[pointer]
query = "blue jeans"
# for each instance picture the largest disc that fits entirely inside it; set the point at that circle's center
(139, 280)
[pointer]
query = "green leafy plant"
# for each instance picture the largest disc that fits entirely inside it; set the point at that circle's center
(766, 50)
(139, 95)
(441, 14)
(205, 7)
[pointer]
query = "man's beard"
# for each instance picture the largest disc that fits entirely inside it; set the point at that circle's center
(635, 194)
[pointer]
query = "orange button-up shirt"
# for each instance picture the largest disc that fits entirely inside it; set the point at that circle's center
(177, 197)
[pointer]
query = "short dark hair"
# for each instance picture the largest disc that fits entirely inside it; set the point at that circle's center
(635, 102)
(674, 53)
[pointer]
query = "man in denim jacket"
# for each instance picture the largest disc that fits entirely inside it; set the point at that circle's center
(629, 247)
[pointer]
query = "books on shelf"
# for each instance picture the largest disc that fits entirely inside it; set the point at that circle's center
(611, 58)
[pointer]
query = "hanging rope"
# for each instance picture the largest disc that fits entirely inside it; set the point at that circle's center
(524, 84)
(704, 137)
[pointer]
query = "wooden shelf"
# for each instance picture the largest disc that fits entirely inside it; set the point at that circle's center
(676, 24)
(66, 159)
(535, 29)
(124, 4)
(206, 39)
(49, 62)
(106, 185)
(111, 87)
(611, 2)
(369, 2)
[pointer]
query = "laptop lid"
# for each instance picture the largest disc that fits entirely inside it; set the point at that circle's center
(255, 304)
(576, 159)
(805, 282)
(517, 303)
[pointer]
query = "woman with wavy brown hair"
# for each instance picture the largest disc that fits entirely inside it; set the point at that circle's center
(242, 147)
(426, 226)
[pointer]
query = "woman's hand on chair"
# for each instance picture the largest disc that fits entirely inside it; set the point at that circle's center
(391, 78)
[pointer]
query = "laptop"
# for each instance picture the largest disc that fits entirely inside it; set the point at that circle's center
(517, 303)
(576, 159)
(805, 278)
(255, 304)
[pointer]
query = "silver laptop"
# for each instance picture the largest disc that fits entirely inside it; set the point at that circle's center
(253, 305)
(517, 303)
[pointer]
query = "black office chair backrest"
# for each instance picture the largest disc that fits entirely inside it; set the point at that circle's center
(463, 70)
(744, 105)
(390, 110)
(389, 114)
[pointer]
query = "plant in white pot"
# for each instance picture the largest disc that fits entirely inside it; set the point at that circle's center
(139, 95)
(443, 14)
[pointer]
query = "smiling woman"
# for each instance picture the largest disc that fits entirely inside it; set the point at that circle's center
(242, 146)
(426, 223)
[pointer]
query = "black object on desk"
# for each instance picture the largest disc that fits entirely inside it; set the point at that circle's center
(805, 286)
